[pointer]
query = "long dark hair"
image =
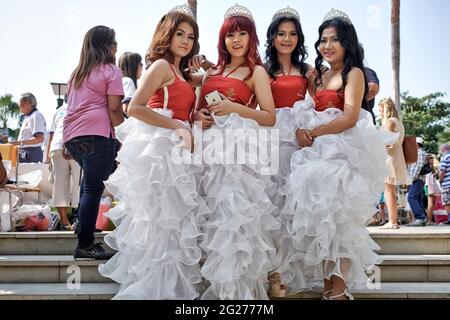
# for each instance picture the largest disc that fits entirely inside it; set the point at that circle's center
(299, 54)
(96, 50)
(128, 64)
(348, 39)
(165, 30)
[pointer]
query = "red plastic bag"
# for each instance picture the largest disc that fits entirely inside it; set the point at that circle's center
(102, 221)
(32, 218)
(439, 212)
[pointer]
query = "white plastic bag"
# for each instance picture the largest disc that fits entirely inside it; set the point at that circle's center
(5, 210)
(32, 218)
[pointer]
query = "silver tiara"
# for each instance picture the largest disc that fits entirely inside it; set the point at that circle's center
(184, 9)
(287, 12)
(238, 11)
(337, 14)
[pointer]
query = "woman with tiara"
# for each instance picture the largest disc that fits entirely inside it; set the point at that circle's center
(238, 246)
(285, 64)
(337, 174)
(159, 209)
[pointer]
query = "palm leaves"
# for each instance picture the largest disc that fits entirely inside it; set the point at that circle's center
(9, 110)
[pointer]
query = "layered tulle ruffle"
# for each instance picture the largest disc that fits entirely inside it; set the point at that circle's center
(158, 217)
(238, 243)
(286, 126)
(331, 194)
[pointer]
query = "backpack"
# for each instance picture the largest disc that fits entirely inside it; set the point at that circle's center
(426, 169)
(410, 149)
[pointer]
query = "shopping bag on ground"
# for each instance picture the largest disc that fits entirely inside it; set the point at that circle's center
(32, 218)
(439, 212)
(102, 221)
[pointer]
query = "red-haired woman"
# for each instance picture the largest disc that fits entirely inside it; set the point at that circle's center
(238, 246)
(156, 217)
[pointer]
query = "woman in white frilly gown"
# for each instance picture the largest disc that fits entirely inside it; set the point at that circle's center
(336, 176)
(289, 81)
(160, 212)
(238, 245)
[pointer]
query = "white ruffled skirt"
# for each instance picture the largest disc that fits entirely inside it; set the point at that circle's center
(158, 217)
(287, 145)
(330, 196)
(238, 244)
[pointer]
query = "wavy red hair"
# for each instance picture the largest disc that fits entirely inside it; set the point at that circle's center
(233, 24)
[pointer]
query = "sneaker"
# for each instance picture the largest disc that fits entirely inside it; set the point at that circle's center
(418, 223)
(93, 252)
(75, 227)
(445, 223)
(65, 227)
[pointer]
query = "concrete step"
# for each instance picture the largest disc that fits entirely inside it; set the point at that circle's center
(393, 290)
(57, 291)
(48, 269)
(41, 243)
(415, 268)
(103, 291)
(406, 240)
(412, 240)
(60, 268)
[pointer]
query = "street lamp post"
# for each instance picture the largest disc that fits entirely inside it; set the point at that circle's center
(59, 89)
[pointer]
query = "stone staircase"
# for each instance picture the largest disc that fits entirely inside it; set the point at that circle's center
(40, 266)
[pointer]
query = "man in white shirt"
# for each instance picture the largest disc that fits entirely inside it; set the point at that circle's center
(32, 132)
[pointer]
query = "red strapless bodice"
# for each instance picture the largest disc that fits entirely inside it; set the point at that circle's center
(325, 99)
(234, 89)
(286, 90)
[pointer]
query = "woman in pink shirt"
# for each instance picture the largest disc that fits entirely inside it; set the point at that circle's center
(94, 108)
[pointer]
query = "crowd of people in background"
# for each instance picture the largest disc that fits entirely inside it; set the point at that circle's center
(257, 237)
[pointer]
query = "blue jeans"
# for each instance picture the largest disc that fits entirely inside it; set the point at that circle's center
(415, 199)
(96, 157)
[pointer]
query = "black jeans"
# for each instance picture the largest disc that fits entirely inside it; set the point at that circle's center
(96, 157)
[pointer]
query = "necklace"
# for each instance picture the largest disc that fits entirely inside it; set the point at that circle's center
(289, 72)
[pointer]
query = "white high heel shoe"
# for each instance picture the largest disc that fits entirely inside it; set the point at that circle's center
(345, 293)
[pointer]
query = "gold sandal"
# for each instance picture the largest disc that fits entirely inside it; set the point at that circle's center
(277, 289)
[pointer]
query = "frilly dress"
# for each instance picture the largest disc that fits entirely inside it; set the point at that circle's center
(159, 213)
(286, 90)
(238, 245)
(330, 196)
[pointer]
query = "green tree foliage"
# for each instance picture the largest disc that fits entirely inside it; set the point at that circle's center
(9, 110)
(427, 117)
(444, 136)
